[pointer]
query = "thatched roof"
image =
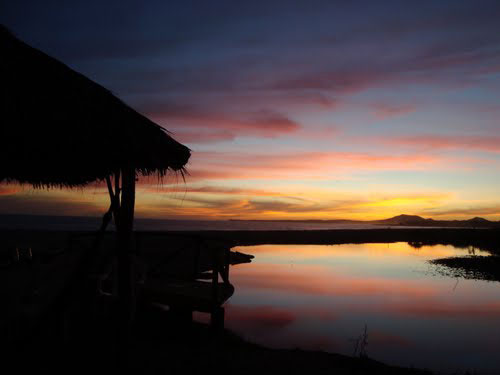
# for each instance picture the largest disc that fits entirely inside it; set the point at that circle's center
(59, 128)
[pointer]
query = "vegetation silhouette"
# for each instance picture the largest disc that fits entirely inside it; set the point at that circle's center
(470, 267)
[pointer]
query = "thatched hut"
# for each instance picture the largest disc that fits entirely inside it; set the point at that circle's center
(60, 129)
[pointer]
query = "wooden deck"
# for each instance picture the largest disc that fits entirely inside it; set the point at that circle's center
(179, 278)
(193, 295)
(176, 272)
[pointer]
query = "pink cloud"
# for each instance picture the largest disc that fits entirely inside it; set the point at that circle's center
(383, 111)
(203, 136)
(315, 165)
(436, 142)
(189, 133)
(200, 125)
(340, 81)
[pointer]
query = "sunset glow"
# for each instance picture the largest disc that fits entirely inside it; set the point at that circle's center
(332, 114)
(225, 186)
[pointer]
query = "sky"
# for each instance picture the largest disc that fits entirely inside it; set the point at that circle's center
(293, 110)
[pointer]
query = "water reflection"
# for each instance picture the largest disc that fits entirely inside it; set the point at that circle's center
(320, 297)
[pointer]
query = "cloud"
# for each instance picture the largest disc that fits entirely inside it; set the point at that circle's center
(338, 81)
(55, 202)
(305, 165)
(200, 136)
(322, 47)
(477, 210)
(451, 142)
(201, 173)
(212, 190)
(200, 200)
(202, 125)
(9, 189)
(291, 203)
(384, 111)
(216, 73)
(284, 207)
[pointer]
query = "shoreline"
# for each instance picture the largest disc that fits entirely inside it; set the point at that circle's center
(483, 239)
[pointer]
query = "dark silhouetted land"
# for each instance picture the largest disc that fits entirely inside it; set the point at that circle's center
(471, 267)
(409, 221)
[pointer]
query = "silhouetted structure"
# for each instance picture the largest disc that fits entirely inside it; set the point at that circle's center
(60, 129)
(187, 278)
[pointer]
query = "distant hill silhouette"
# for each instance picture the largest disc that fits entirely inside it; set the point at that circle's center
(48, 222)
(414, 220)
(408, 221)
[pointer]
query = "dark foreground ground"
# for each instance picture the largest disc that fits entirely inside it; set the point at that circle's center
(161, 341)
(164, 344)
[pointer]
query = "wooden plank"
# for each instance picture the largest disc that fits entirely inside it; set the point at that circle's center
(196, 295)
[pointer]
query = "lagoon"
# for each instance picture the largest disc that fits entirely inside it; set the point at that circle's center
(320, 297)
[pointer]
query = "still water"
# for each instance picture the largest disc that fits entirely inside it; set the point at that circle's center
(321, 297)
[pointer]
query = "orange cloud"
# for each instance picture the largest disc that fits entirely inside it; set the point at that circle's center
(210, 190)
(215, 202)
(10, 189)
(482, 210)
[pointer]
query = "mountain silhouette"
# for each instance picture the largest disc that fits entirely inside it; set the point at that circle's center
(406, 220)
(403, 220)
(415, 220)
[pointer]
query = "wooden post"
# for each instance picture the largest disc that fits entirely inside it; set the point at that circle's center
(125, 258)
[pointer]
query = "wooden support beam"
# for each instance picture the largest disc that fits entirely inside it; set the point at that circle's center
(110, 189)
(106, 218)
(125, 260)
(116, 199)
